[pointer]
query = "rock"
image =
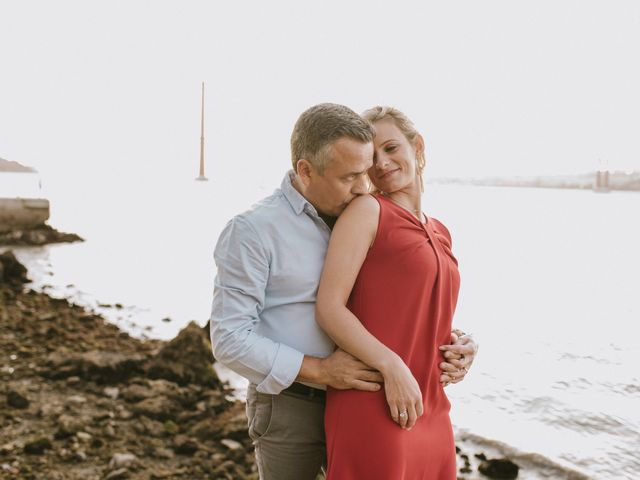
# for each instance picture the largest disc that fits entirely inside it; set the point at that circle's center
(502, 468)
(10, 469)
(39, 235)
(13, 272)
(150, 427)
(184, 445)
(84, 437)
(185, 359)
(17, 400)
(37, 446)
(7, 448)
(99, 366)
(135, 393)
(170, 427)
(159, 408)
(120, 460)
(162, 452)
(231, 444)
(68, 426)
(76, 399)
(120, 474)
(111, 392)
(206, 428)
(109, 431)
(79, 455)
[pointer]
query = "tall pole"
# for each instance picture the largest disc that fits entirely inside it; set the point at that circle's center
(201, 176)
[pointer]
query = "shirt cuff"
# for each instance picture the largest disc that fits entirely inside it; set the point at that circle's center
(284, 371)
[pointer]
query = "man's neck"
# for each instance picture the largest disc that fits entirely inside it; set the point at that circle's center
(330, 221)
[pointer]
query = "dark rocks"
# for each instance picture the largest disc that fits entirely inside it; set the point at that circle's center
(91, 397)
(41, 235)
(17, 400)
(12, 272)
(99, 366)
(159, 408)
(184, 445)
(67, 426)
(37, 446)
(185, 359)
(501, 468)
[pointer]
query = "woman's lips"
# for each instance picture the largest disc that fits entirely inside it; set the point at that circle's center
(385, 175)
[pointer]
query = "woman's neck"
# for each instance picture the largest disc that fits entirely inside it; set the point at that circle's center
(409, 199)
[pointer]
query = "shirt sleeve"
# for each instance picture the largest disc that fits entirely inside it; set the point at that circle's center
(238, 299)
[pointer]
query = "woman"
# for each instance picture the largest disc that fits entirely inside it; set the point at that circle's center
(387, 295)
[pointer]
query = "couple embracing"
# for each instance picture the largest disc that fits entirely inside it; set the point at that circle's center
(335, 298)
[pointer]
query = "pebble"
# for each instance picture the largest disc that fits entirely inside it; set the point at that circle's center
(111, 392)
(119, 474)
(78, 399)
(84, 436)
(120, 460)
(231, 444)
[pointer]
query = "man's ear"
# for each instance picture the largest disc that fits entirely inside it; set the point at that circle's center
(305, 171)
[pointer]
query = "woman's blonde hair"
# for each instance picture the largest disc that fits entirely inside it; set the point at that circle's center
(405, 125)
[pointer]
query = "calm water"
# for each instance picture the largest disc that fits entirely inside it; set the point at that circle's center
(550, 284)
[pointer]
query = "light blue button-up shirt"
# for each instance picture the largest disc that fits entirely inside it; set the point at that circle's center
(269, 262)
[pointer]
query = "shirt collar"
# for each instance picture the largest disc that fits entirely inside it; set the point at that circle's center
(295, 198)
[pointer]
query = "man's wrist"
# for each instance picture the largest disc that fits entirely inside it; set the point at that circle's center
(312, 371)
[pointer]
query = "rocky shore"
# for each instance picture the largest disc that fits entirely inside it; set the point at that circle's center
(40, 235)
(81, 399)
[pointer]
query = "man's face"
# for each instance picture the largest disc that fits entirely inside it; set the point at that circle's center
(344, 178)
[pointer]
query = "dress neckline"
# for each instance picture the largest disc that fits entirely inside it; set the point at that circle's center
(421, 222)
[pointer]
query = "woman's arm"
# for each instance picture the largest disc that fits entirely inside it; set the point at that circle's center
(352, 236)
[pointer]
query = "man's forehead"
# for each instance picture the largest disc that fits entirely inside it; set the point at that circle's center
(354, 157)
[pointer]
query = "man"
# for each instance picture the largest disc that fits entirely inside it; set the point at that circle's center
(269, 263)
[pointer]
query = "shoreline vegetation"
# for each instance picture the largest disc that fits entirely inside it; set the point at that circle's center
(602, 181)
(82, 399)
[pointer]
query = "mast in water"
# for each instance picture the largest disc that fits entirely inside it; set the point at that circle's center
(201, 176)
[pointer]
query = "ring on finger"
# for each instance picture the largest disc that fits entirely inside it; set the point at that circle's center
(403, 414)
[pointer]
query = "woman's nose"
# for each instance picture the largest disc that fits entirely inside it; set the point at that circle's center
(381, 162)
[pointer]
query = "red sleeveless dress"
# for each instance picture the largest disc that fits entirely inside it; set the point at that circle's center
(405, 295)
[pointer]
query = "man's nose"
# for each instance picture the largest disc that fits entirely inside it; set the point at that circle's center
(361, 186)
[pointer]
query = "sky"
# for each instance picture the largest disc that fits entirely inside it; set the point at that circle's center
(92, 88)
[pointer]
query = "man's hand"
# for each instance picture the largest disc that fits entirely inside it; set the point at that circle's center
(459, 356)
(341, 371)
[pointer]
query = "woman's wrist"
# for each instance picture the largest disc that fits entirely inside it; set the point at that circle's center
(389, 361)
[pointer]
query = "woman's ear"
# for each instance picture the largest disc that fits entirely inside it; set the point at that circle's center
(418, 144)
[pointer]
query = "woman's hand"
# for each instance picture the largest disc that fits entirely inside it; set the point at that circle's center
(403, 394)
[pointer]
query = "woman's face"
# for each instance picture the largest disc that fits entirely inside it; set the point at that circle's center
(394, 159)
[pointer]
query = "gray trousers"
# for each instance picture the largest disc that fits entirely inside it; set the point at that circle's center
(287, 431)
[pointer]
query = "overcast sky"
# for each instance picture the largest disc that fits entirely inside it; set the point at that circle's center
(496, 87)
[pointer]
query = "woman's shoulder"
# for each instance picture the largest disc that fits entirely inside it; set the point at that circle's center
(366, 205)
(440, 227)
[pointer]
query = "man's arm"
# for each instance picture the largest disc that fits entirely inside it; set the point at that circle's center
(459, 357)
(238, 299)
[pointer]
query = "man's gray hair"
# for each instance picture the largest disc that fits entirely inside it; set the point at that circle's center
(321, 125)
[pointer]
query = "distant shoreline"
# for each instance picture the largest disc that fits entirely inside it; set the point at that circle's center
(14, 167)
(619, 181)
